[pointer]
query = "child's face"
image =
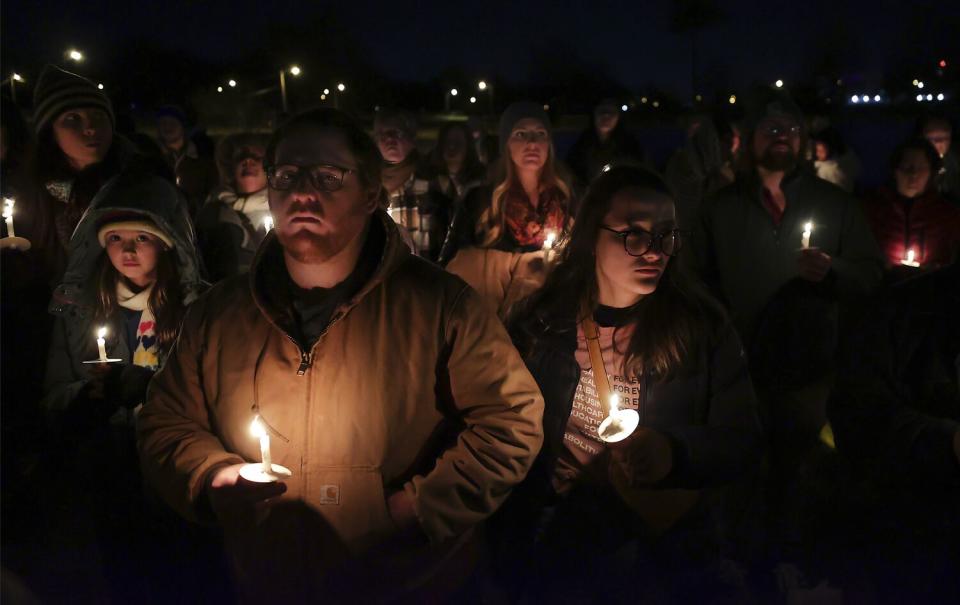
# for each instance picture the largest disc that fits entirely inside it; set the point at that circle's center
(135, 254)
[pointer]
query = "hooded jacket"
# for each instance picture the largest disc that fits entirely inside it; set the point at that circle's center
(73, 301)
(414, 385)
(230, 228)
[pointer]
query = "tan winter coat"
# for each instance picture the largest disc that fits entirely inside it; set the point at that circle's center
(415, 385)
(501, 278)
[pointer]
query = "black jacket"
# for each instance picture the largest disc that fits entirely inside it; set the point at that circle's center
(896, 404)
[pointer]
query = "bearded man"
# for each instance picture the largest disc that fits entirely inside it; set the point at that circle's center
(393, 395)
(787, 291)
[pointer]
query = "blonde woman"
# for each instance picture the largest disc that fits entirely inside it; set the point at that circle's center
(503, 240)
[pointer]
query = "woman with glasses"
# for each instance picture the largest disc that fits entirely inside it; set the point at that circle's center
(600, 519)
(503, 240)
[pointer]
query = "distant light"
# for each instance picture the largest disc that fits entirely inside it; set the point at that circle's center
(546, 108)
(839, 82)
(643, 100)
(940, 97)
(323, 97)
(866, 98)
(732, 99)
(482, 85)
(915, 82)
(326, 91)
(929, 97)
(919, 84)
(453, 92)
(943, 63)
(876, 98)
(606, 168)
(699, 98)
(919, 97)
(219, 88)
(75, 55)
(779, 83)
(854, 99)
(376, 108)
(624, 107)
(295, 70)
(473, 99)
(100, 86)
(17, 77)
(232, 83)
(656, 103)
(341, 87)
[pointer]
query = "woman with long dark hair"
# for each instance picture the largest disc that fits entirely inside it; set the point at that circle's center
(671, 362)
(501, 238)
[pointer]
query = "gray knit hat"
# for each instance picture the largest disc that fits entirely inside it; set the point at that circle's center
(59, 90)
(519, 111)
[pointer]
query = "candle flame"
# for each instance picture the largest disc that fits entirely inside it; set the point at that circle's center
(8, 204)
(268, 223)
(101, 332)
(910, 255)
(614, 403)
(548, 242)
(807, 228)
(257, 428)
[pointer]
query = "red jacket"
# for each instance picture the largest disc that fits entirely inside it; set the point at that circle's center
(930, 226)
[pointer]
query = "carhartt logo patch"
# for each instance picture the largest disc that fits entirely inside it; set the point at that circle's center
(329, 494)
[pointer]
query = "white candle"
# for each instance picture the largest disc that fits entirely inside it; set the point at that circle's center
(102, 344)
(260, 431)
(8, 203)
(267, 223)
(911, 260)
(548, 243)
(805, 240)
(614, 404)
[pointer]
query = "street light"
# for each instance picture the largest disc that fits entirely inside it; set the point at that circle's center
(326, 91)
(779, 83)
(341, 87)
(482, 85)
(732, 99)
(624, 107)
(100, 86)
(446, 98)
(75, 55)
(294, 71)
(919, 84)
(14, 79)
(219, 88)
(473, 100)
(232, 83)
(940, 97)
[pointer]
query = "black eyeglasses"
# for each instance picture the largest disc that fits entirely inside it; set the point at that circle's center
(322, 176)
(638, 242)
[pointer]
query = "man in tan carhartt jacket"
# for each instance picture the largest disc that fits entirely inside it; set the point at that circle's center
(392, 393)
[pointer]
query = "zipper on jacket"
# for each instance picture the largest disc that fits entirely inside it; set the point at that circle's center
(304, 363)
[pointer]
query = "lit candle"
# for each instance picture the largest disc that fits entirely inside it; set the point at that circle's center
(8, 203)
(260, 431)
(805, 240)
(911, 260)
(267, 223)
(548, 244)
(102, 344)
(614, 404)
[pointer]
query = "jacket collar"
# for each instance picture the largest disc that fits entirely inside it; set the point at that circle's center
(267, 275)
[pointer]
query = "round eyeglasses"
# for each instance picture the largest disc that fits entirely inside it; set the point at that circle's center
(638, 242)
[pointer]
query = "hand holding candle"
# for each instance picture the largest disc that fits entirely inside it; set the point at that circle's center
(619, 424)
(265, 471)
(548, 243)
(12, 241)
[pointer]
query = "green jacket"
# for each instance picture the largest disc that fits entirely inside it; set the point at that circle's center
(746, 259)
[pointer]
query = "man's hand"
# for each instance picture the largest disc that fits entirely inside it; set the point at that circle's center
(644, 458)
(237, 503)
(814, 264)
(401, 510)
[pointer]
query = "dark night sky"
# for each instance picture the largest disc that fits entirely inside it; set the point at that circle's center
(755, 41)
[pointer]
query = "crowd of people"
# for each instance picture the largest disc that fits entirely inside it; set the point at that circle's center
(442, 351)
